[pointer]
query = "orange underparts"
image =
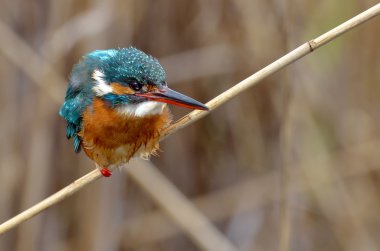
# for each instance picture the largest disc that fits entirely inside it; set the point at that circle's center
(110, 138)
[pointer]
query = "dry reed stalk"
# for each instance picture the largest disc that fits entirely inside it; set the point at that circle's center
(253, 194)
(198, 227)
(289, 58)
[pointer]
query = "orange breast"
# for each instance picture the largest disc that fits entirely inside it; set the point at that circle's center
(112, 138)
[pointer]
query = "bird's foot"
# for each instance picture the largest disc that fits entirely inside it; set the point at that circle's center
(105, 172)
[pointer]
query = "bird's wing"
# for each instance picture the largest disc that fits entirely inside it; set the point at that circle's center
(72, 109)
(79, 94)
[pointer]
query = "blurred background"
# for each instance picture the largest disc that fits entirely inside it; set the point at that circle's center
(291, 164)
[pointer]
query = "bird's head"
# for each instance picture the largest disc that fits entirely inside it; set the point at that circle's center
(129, 80)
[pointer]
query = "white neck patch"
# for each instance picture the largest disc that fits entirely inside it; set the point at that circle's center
(101, 87)
(141, 109)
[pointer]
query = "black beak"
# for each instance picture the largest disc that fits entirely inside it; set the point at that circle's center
(167, 95)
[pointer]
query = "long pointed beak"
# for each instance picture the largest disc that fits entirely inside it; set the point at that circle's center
(167, 95)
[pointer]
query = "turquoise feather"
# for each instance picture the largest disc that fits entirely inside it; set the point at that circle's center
(117, 65)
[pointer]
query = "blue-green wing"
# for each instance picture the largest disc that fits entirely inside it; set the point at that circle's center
(79, 94)
(72, 110)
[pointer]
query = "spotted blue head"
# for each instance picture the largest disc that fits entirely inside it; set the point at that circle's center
(126, 79)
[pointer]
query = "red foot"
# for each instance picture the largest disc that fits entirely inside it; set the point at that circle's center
(105, 172)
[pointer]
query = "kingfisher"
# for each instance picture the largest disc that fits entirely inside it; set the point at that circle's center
(116, 106)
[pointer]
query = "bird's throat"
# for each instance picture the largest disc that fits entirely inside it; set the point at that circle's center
(112, 138)
(143, 109)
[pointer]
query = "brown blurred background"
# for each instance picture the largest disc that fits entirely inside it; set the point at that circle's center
(291, 164)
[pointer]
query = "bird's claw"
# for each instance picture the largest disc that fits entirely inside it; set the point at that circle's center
(105, 172)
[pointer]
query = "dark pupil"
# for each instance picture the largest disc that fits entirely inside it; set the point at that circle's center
(135, 85)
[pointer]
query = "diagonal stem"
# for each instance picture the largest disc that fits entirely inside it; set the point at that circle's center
(197, 226)
(277, 65)
(282, 62)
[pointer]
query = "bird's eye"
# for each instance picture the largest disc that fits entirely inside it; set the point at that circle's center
(136, 86)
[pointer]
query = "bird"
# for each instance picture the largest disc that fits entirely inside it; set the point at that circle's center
(116, 106)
